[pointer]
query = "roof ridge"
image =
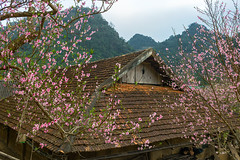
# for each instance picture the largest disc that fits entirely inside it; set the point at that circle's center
(140, 51)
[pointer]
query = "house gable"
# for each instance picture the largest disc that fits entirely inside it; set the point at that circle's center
(155, 71)
(143, 73)
(150, 69)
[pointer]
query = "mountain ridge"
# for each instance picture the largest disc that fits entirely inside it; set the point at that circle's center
(172, 43)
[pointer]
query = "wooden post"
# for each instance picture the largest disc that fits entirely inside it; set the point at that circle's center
(23, 151)
(7, 135)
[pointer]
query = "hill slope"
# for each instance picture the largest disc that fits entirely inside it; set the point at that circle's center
(172, 43)
(140, 42)
(106, 41)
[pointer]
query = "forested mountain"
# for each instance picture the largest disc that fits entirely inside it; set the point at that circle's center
(172, 43)
(105, 42)
(139, 42)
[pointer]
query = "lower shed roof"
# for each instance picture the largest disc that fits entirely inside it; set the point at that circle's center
(137, 101)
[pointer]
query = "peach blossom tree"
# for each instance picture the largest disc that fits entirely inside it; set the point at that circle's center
(210, 77)
(42, 88)
(51, 92)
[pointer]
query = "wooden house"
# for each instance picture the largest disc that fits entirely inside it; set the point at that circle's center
(143, 89)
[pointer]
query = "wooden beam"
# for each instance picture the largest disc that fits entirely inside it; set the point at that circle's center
(8, 156)
(131, 153)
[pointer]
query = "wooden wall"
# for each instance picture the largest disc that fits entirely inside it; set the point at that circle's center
(18, 150)
(23, 150)
(144, 73)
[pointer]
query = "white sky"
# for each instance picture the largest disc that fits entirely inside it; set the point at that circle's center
(154, 18)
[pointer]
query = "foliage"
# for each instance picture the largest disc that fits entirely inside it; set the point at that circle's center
(105, 41)
(45, 53)
(31, 47)
(215, 59)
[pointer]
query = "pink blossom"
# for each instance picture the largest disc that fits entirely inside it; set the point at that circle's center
(48, 90)
(19, 60)
(27, 59)
(71, 110)
(42, 145)
(232, 87)
(160, 117)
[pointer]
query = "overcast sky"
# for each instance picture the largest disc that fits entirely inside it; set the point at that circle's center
(154, 18)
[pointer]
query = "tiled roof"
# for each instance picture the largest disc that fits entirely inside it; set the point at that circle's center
(5, 89)
(104, 69)
(137, 101)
